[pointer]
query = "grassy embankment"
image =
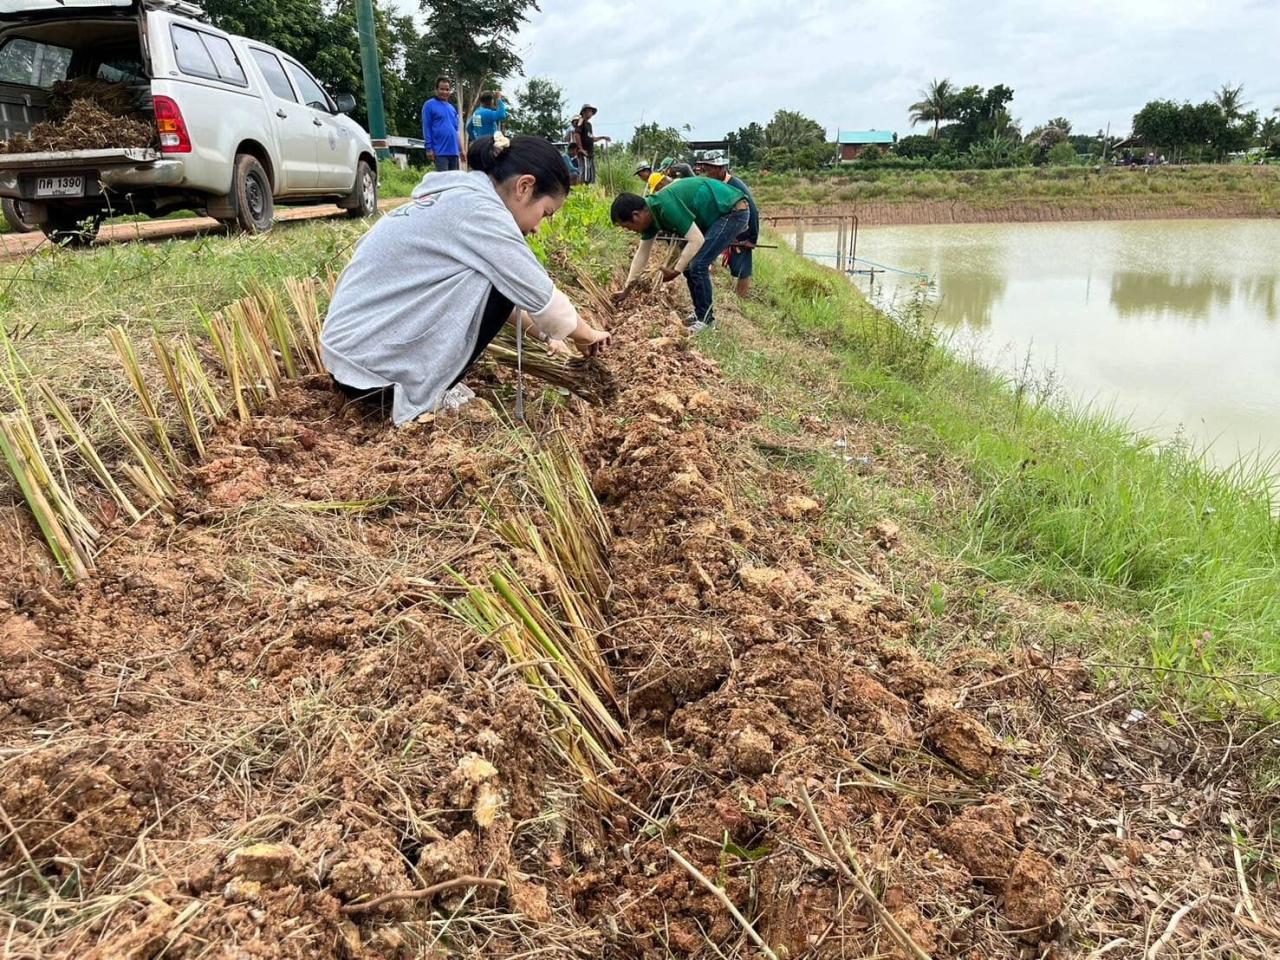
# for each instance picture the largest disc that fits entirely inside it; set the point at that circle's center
(1008, 492)
(1031, 193)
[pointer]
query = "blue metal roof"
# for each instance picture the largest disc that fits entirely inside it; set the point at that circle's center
(866, 136)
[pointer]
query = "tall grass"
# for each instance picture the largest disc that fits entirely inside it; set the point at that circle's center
(1062, 499)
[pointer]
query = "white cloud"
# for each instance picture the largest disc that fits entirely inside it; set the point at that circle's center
(719, 66)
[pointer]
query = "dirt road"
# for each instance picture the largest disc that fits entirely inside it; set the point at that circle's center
(16, 245)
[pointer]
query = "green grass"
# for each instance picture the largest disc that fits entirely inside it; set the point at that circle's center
(394, 182)
(1192, 187)
(1060, 501)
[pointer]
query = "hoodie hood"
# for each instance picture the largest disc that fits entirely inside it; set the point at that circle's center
(434, 184)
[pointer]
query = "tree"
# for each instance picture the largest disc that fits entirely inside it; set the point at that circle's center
(917, 146)
(1061, 154)
(656, 143)
(936, 104)
(1159, 124)
(539, 110)
(324, 39)
(470, 41)
(747, 144)
(979, 114)
(790, 130)
(1230, 100)
(996, 150)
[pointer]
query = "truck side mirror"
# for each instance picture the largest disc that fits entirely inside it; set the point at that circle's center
(346, 102)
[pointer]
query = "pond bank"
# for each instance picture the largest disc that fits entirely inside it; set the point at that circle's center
(923, 212)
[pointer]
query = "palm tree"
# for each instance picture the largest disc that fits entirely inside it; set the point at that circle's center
(939, 97)
(1230, 100)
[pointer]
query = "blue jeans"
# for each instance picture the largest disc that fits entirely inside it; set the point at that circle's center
(444, 164)
(717, 238)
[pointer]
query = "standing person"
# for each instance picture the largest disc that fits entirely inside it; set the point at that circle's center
(716, 166)
(440, 126)
(432, 283)
(587, 140)
(488, 117)
(709, 214)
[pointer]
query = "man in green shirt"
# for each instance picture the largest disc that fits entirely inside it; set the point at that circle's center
(707, 213)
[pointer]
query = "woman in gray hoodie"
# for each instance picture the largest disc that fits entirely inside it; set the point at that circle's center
(432, 283)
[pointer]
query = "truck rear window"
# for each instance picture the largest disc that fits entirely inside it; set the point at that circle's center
(201, 54)
(31, 64)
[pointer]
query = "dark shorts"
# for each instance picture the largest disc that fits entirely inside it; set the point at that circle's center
(444, 164)
(740, 264)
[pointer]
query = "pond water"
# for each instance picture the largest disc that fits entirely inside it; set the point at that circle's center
(1173, 324)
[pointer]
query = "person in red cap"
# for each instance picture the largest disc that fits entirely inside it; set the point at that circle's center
(586, 141)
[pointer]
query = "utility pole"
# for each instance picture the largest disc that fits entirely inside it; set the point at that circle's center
(365, 26)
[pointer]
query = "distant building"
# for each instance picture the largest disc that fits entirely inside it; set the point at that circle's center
(854, 142)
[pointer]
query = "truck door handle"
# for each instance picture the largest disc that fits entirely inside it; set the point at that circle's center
(316, 123)
(281, 114)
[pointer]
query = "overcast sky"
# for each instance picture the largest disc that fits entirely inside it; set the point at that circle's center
(856, 65)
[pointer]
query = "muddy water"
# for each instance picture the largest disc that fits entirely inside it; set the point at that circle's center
(1172, 324)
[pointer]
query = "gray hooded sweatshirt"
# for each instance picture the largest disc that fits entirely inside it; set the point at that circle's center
(406, 312)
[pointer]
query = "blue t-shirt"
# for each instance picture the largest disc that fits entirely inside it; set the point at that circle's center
(440, 127)
(485, 121)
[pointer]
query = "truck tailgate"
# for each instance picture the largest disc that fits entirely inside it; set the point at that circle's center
(71, 159)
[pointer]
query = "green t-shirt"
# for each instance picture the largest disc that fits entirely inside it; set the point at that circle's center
(690, 200)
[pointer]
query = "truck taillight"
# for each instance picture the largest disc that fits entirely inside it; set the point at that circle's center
(171, 127)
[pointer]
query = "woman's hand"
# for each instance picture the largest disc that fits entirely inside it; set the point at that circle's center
(668, 275)
(593, 342)
(621, 295)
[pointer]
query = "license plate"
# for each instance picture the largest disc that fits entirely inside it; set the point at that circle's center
(60, 187)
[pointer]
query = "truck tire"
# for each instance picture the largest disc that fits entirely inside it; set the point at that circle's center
(363, 200)
(251, 195)
(15, 213)
(72, 228)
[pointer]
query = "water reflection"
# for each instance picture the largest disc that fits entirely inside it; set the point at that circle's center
(1171, 323)
(1137, 294)
(967, 297)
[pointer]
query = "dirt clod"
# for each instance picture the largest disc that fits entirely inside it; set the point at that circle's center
(964, 741)
(263, 861)
(1033, 895)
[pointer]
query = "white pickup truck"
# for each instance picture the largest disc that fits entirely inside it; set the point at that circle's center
(240, 126)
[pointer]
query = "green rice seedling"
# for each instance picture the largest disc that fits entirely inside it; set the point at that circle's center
(307, 321)
(194, 373)
(69, 535)
(581, 533)
(147, 474)
(133, 373)
(269, 316)
(509, 614)
(224, 343)
(175, 377)
(88, 453)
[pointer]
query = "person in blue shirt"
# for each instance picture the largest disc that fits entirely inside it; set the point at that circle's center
(440, 126)
(716, 166)
(488, 117)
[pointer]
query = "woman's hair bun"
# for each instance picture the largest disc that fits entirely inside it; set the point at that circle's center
(505, 157)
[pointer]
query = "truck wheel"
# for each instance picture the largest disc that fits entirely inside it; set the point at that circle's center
(251, 195)
(364, 196)
(15, 212)
(72, 228)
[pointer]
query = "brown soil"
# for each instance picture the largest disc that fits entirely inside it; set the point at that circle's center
(261, 713)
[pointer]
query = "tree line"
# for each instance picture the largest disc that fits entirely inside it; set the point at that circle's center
(472, 42)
